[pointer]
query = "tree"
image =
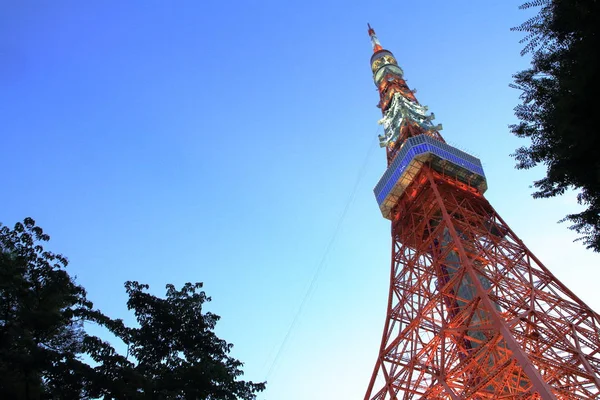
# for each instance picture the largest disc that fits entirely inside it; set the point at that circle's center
(558, 106)
(42, 312)
(178, 355)
(174, 352)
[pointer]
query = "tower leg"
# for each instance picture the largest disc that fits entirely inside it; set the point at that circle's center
(472, 314)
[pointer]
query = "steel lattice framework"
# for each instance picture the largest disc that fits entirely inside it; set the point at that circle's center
(472, 313)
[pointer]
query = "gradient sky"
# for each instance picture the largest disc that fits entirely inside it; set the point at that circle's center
(234, 143)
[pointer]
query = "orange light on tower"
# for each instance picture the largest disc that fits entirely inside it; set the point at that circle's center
(472, 313)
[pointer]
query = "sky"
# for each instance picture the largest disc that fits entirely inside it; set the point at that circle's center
(235, 144)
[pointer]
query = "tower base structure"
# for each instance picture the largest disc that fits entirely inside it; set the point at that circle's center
(472, 313)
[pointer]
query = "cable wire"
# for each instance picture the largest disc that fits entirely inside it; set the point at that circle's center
(318, 270)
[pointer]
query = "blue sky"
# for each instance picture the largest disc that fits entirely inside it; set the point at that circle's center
(234, 144)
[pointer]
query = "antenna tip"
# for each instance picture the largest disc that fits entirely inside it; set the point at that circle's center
(371, 31)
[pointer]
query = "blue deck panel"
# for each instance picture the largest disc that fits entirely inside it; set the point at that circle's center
(423, 145)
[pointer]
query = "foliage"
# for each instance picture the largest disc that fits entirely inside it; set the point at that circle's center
(177, 352)
(43, 314)
(558, 104)
(41, 319)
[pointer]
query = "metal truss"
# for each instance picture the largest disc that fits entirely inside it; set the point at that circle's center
(472, 313)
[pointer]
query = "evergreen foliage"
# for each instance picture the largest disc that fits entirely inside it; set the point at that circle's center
(558, 106)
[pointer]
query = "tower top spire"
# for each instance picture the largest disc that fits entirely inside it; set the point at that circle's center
(403, 116)
(374, 41)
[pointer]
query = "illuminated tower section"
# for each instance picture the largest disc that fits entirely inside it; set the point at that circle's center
(472, 313)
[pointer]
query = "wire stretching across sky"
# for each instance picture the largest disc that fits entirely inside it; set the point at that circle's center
(319, 269)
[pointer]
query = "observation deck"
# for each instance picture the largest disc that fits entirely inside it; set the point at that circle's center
(417, 151)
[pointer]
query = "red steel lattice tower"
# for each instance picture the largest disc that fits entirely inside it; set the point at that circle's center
(472, 313)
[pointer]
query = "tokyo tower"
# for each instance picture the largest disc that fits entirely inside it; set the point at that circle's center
(472, 313)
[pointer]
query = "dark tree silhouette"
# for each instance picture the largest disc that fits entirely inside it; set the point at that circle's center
(173, 354)
(177, 354)
(42, 312)
(559, 98)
